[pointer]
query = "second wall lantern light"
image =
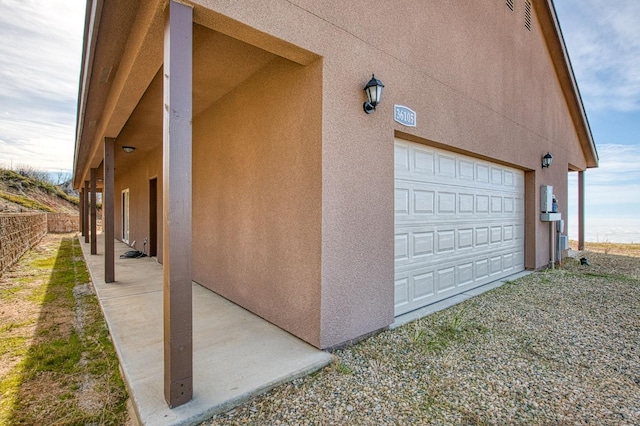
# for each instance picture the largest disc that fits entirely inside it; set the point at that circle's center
(547, 160)
(373, 89)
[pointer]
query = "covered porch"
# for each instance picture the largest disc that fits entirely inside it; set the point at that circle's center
(236, 354)
(173, 131)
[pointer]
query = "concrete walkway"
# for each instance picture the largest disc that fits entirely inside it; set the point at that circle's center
(236, 355)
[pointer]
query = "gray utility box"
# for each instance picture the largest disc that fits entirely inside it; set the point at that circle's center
(563, 242)
(546, 198)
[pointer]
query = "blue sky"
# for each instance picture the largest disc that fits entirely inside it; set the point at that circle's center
(40, 62)
(39, 65)
(603, 40)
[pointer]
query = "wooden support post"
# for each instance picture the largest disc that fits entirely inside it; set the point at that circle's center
(108, 210)
(177, 291)
(94, 228)
(85, 218)
(581, 224)
(81, 211)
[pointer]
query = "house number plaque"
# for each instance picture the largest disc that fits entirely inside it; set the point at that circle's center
(404, 115)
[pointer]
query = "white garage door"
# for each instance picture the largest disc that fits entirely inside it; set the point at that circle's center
(459, 224)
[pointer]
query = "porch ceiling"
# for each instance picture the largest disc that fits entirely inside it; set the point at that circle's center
(220, 63)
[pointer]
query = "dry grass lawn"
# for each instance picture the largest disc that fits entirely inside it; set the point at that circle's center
(555, 347)
(57, 363)
(610, 248)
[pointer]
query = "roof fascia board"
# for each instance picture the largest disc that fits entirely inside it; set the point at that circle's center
(93, 12)
(138, 65)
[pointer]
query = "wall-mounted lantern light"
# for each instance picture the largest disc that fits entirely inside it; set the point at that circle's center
(373, 89)
(547, 160)
(128, 149)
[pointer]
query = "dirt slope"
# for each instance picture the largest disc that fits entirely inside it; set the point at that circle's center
(22, 194)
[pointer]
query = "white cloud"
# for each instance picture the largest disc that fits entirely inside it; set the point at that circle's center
(603, 39)
(612, 199)
(618, 165)
(39, 69)
(615, 185)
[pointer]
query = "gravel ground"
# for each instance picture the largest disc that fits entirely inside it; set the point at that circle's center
(555, 347)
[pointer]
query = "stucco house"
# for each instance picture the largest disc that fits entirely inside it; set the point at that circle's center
(231, 136)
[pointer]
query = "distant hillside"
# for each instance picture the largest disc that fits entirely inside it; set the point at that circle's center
(25, 190)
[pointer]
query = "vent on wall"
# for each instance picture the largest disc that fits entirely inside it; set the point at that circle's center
(527, 14)
(510, 4)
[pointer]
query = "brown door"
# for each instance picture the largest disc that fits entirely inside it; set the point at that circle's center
(153, 217)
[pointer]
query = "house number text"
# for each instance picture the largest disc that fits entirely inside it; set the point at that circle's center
(404, 115)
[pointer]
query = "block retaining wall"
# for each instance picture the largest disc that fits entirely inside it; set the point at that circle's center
(18, 233)
(59, 223)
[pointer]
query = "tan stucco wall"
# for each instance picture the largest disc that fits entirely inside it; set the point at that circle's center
(480, 84)
(293, 183)
(136, 179)
(257, 196)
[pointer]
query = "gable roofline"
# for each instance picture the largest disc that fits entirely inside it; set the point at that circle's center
(546, 12)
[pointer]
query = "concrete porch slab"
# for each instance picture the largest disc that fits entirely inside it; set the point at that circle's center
(236, 355)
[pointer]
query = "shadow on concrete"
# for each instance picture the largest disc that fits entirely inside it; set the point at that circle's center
(236, 354)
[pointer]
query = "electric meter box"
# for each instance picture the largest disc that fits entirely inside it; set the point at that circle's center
(563, 242)
(546, 198)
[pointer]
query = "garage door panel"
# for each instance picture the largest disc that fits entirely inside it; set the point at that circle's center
(416, 245)
(446, 165)
(424, 284)
(402, 247)
(446, 279)
(419, 163)
(402, 291)
(466, 170)
(481, 269)
(495, 265)
(465, 238)
(415, 199)
(401, 159)
(423, 244)
(446, 241)
(402, 202)
(424, 202)
(465, 274)
(507, 232)
(465, 203)
(513, 253)
(423, 161)
(459, 224)
(508, 262)
(482, 236)
(459, 181)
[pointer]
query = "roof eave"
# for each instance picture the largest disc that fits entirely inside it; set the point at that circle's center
(546, 11)
(92, 23)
